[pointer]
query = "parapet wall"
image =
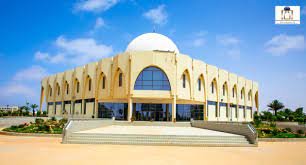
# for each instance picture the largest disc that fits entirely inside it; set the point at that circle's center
(244, 129)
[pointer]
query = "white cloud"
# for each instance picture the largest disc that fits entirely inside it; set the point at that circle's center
(158, 15)
(282, 44)
(33, 73)
(303, 10)
(230, 46)
(95, 5)
(99, 23)
(198, 42)
(16, 89)
(227, 40)
(75, 51)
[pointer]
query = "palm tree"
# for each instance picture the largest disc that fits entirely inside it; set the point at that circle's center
(34, 106)
(275, 105)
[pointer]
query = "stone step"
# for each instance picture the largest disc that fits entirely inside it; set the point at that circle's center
(142, 139)
(159, 137)
(175, 143)
(154, 138)
(161, 141)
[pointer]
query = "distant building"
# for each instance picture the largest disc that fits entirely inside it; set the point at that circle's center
(150, 81)
(9, 108)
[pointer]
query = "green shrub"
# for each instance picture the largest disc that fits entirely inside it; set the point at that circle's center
(285, 135)
(272, 124)
(288, 130)
(300, 131)
(53, 118)
(39, 121)
(63, 121)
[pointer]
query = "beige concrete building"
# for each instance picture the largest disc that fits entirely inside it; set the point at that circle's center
(150, 81)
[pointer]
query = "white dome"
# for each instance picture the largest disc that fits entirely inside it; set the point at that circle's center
(150, 42)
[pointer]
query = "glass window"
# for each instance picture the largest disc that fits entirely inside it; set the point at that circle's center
(103, 82)
(89, 85)
(212, 87)
(50, 90)
(109, 110)
(199, 84)
(184, 81)
(152, 78)
(120, 79)
(185, 112)
(78, 87)
(152, 112)
(67, 88)
(223, 89)
(241, 93)
(58, 90)
(233, 91)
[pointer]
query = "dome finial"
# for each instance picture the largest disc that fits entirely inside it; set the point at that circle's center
(154, 29)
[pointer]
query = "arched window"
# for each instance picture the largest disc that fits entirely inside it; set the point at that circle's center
(152, 78)
(50, 90)
(120, 79)
(223, 89)
(58, 90)
(89, 84)
(212, 87)
(103, 82)
(67, 88)
(184, 80)
(233, 91)
(199, 84)
(78, 86)
(242, 92)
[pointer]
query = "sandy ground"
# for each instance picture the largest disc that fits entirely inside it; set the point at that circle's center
(42, 150)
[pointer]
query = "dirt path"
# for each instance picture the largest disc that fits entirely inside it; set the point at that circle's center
(42, 150)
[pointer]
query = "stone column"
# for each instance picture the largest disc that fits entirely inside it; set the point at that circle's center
(174, 108)
(130, 109)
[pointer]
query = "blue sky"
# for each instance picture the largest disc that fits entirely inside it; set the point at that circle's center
(38, 38)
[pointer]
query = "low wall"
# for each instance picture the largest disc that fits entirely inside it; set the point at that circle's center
(243, 129)
(293, 128)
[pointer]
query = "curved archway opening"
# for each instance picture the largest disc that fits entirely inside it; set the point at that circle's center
(152, 78)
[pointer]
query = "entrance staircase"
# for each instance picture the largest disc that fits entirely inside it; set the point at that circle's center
(76, 133)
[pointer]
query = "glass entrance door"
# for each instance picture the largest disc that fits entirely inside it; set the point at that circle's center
(152, 112)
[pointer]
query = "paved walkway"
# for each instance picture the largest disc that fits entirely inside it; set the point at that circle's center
(156, 130)
(49, 151)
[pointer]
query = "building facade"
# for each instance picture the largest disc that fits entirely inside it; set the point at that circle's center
(9, 108)
(150, 81)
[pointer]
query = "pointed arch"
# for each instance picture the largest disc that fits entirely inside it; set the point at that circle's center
(250, 98)
(213, 86)
(119, 76)
(202, 83)
(66, 87)
(88, 84)
(225, 89)
(101, 82)
(242, 93)
(185, 84)
(76, 86)
(58, 89)
(49, 91)
(256, 101)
